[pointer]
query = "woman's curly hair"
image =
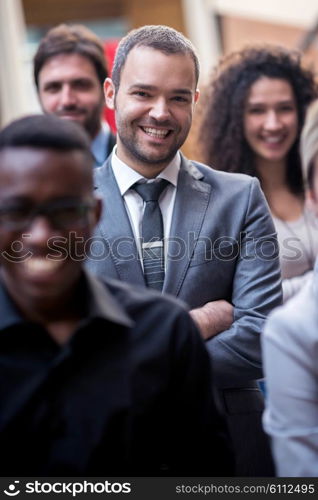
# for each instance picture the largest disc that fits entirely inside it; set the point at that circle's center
(221, 133)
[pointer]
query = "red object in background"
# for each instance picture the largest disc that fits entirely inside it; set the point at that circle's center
(110, 47)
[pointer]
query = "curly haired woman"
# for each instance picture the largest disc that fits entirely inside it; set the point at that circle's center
(254, 110)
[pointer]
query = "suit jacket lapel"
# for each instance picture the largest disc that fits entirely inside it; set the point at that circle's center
(115, 227)
(192, 199)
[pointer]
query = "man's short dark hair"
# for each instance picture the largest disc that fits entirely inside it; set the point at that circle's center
(46, 131)
(158, 37)
(71, 39)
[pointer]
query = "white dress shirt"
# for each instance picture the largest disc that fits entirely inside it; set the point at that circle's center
(126, 177)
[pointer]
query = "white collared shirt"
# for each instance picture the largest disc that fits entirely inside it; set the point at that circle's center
(126, 177)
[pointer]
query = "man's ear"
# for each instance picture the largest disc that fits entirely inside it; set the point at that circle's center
(109, 93)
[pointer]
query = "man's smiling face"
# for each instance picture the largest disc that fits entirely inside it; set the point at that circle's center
(69, 88)
(154, 106)
(58, 185)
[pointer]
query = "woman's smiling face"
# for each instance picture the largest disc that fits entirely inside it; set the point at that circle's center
(271, 118)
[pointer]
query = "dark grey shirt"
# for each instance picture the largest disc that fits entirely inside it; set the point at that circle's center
(130, 393)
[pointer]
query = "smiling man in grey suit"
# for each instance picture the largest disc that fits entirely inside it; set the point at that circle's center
(209, 240)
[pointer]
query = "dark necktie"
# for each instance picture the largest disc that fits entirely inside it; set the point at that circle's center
(152, 233)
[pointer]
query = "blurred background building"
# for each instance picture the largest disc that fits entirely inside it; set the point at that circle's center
(215, 27)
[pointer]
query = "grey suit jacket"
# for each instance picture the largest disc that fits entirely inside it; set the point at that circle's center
(222, 245)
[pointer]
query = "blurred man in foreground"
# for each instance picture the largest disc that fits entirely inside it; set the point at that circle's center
(96, 377)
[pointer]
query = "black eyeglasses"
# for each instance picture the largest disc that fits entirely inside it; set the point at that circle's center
(62, 214)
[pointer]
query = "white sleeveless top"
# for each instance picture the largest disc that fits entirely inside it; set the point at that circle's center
(298, 248)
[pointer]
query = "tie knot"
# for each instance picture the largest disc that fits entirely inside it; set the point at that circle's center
(150, 191)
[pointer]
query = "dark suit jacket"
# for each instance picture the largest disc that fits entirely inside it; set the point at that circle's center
(222, 246)
(129, 394)
(110, 141)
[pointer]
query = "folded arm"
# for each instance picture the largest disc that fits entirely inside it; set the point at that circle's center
(213, 318)
(256, 290)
